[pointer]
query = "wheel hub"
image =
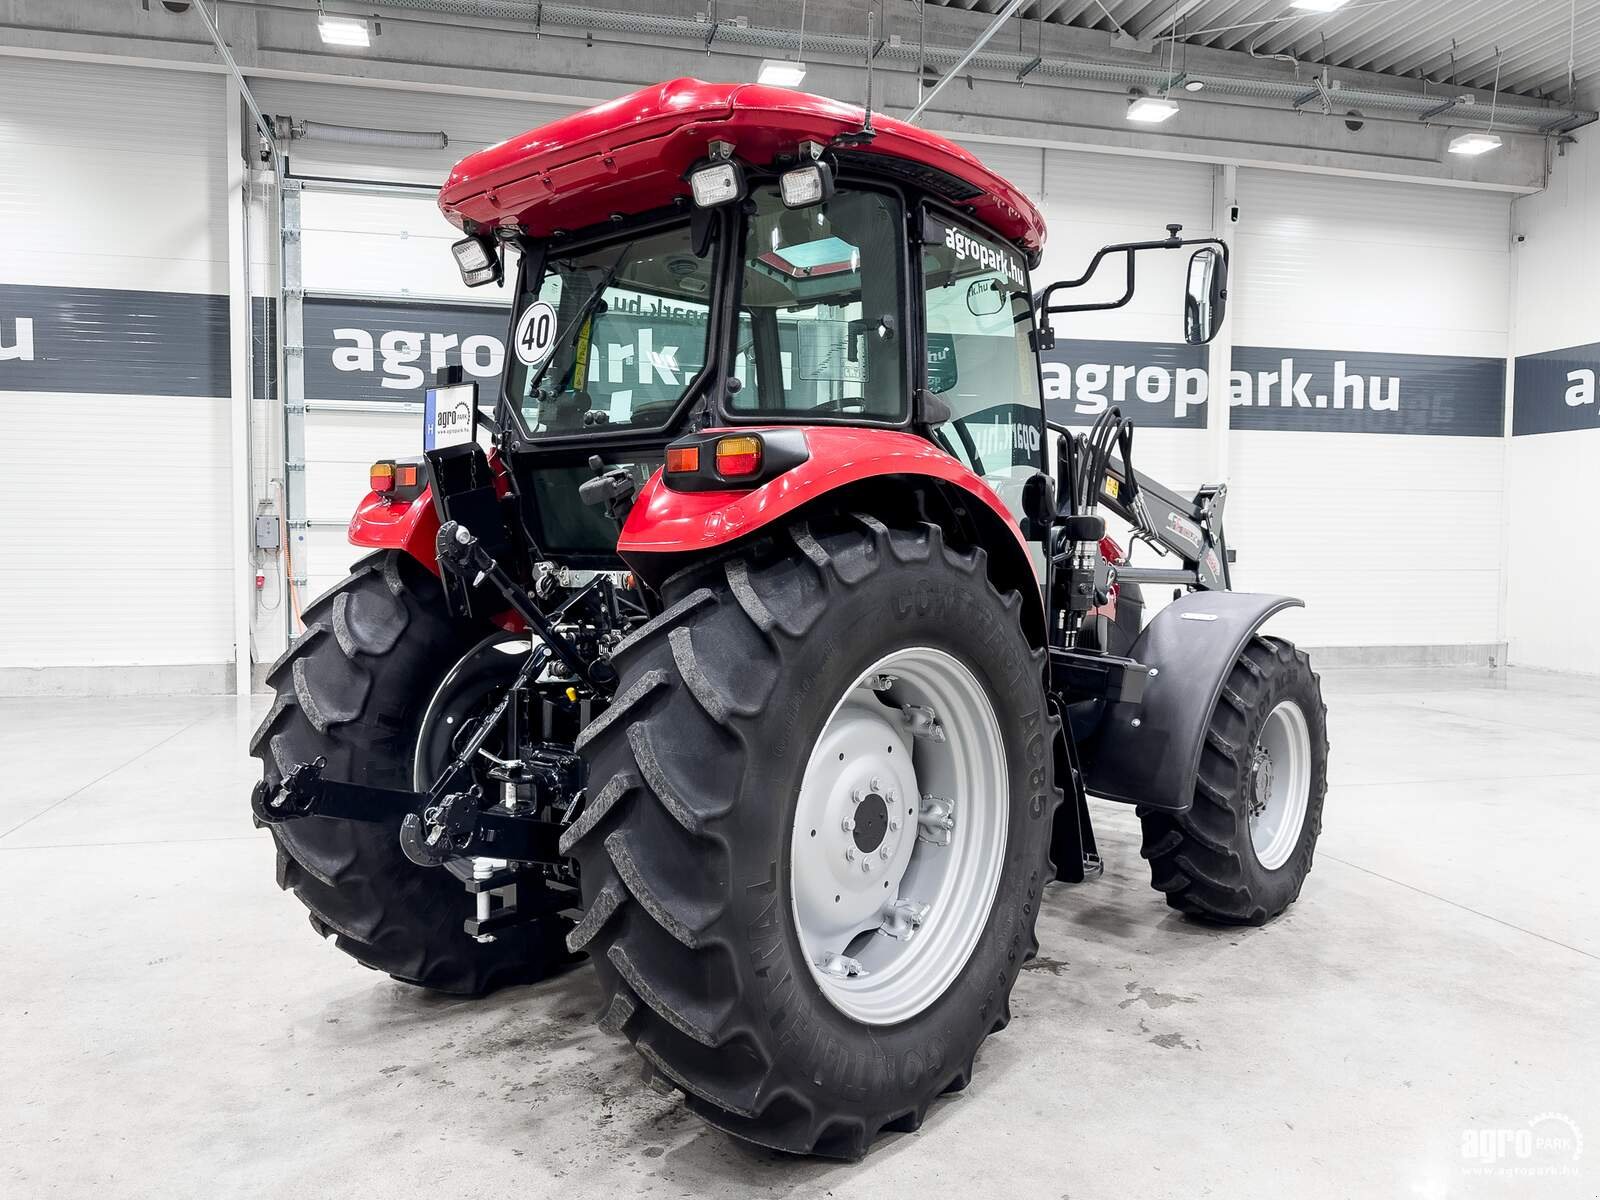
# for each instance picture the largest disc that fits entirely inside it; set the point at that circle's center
(871, 822)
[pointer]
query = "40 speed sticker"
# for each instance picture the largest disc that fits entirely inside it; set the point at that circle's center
(536, 333)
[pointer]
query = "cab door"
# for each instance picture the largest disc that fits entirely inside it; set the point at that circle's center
(978, 313)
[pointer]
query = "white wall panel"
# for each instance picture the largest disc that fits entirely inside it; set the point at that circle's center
(1554, 573)
(111, 177)
(1328, 262)
(1409, 556)
(380, 243)
(1390, 539)
(92, 578)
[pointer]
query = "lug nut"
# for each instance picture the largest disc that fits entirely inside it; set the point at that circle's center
(894, 825)
(849, 824)
(849, 854)
(875, 785)
(866, 865)
(883, 853)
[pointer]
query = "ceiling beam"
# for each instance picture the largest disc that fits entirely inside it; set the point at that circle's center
(1164, 21)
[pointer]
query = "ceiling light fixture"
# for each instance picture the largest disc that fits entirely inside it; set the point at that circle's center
(1152, 110)
(781, 72)
(1475, 143)
(1193, 85)
(343, 31)
(786, 72)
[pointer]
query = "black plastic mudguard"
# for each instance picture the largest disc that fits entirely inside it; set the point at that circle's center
(1149, 755)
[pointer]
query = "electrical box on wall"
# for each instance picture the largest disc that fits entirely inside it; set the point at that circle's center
(266, 531)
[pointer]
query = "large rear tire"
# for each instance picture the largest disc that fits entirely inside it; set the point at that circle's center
(1241, 852)
(354, 689)
(704, 863)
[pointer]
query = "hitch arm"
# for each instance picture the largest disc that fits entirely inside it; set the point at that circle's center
(464, 553)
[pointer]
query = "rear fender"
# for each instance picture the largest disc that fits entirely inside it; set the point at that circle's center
(1190, 647)
(846, 468)
(393, 523)
(408, 525)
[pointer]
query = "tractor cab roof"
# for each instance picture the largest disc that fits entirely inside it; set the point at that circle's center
(631, 155)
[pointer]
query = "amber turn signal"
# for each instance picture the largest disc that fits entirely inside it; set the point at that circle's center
(682, 459)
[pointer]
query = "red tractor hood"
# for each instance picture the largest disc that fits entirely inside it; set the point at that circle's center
(630, 155)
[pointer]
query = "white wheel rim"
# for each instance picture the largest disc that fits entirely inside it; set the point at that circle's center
(1279, 784)
(889, 902)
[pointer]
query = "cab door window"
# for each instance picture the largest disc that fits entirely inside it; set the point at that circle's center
(979, 315)
(820, 334)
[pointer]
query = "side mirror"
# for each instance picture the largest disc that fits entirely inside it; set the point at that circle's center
(1205, 301)
(985, 297)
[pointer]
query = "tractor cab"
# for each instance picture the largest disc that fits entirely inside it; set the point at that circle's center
(778, 259)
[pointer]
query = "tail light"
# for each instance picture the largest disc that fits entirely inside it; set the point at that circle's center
(724, 461)
(738, 457)
(396, 479)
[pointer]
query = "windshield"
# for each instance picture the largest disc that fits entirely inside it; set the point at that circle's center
(611, 336)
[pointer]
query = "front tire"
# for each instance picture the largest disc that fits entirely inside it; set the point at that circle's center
(1241, 852)
(354, 689)
(695, 891)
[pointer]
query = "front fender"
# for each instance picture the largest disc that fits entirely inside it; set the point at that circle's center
(664, 521)
(409, 525)
(1191, 646)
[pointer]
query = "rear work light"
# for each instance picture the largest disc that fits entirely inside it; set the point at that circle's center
(807, 185)
(738, 457)
(719, 181)
(479, 261)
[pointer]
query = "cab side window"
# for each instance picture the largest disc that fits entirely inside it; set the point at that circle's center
(979, 315)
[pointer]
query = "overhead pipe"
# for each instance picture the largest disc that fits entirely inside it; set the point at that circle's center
(355, 135)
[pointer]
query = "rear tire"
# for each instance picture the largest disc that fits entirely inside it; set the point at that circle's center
(353, 688)
(1206, 860)
(687, 841)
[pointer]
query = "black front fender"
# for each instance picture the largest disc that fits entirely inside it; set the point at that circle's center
(1149, 755)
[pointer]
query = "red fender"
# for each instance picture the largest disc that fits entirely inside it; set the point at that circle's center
(409, 525)
(664, 521)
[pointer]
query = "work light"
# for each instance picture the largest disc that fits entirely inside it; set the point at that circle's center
(716, 184)
(478, 259)
(807, 185)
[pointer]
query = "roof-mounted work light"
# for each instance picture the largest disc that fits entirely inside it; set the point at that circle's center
(479, 260)
(719, 181)
(809, 184)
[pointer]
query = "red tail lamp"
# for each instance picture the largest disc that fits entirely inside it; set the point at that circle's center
(381, 477)
(738, 456)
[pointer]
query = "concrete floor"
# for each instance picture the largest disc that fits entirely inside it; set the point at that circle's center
(170, 1027)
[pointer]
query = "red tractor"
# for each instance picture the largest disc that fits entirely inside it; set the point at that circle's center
(761, 639)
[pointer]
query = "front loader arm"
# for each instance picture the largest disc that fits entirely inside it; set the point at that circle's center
(1190, 529)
